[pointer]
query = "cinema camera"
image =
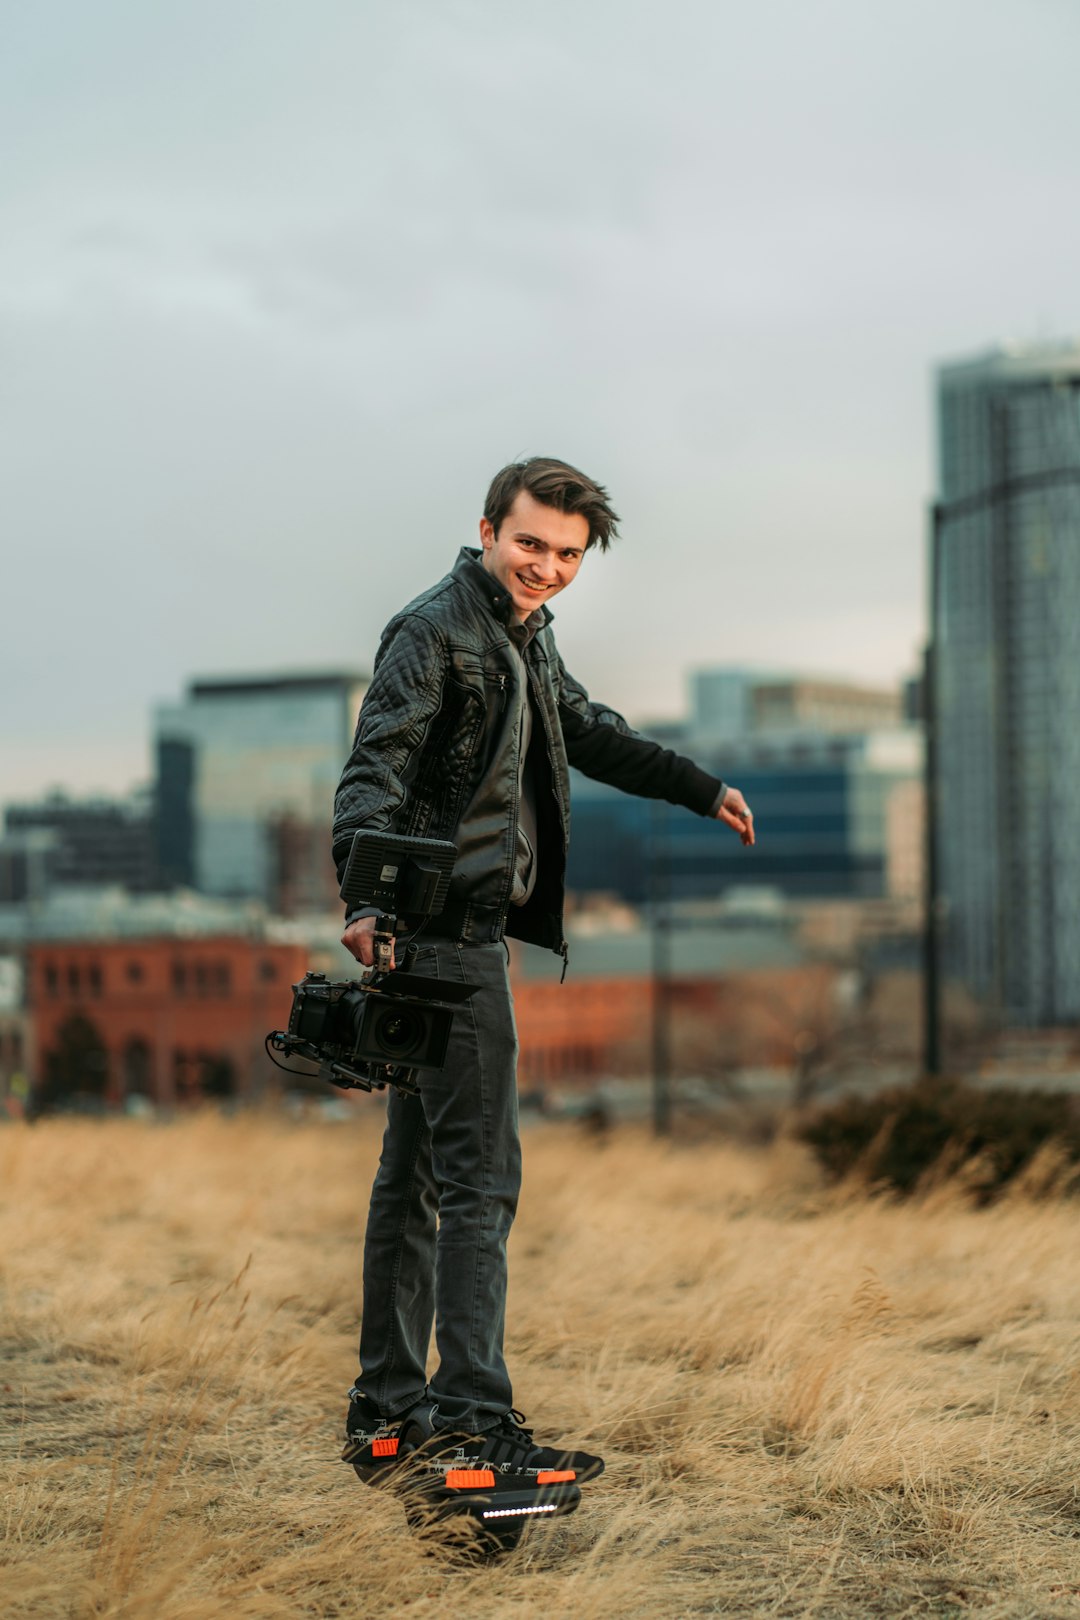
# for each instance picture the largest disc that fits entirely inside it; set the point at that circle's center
(381, 1029)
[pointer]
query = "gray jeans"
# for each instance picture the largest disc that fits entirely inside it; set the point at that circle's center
(441, 1210)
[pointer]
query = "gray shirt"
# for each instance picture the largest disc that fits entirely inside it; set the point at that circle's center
(525, 857)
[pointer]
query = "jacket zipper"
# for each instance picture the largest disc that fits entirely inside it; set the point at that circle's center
(563, 948)
(505, 907)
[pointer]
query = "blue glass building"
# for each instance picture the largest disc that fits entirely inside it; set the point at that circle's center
(822, 823)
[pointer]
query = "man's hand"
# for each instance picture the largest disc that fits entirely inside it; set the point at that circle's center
(737, 813)
(359, 939)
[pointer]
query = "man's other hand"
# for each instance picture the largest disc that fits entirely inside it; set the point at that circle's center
(737, 813)
(359, 940)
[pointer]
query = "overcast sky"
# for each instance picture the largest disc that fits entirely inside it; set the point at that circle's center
(282, 285)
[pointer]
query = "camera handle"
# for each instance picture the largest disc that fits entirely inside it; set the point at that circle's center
(383, 942)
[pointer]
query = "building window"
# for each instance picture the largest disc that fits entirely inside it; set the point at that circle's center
(179, 977)
(218, 1077)
(52, 979)
(94, 977)
(138, 1067)
(201, 979)
(134, 972)
(267, 970)
(73, 978)
(222, 978)
(181, 1075)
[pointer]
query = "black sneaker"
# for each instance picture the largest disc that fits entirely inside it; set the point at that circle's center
(369, 1437)
(508, 1448)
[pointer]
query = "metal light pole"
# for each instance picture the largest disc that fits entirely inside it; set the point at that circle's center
(932, 901)
(660, 898)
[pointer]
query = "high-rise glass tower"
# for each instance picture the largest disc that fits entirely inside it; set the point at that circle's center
(1006, 594)
(246, 772)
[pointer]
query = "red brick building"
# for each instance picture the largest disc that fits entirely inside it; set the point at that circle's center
(600, 1026)
(183, 1019)
(579, 1029)
(174, 1019)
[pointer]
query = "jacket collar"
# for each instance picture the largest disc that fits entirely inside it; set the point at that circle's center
(469, 571)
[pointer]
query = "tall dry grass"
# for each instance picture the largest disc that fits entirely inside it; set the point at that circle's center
(811, 1404)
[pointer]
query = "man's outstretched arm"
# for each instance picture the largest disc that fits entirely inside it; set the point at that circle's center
(601, 744)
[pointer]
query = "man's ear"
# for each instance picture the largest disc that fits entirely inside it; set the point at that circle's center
(487, 533)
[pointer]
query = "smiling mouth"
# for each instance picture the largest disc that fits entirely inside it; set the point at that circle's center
(531, 585)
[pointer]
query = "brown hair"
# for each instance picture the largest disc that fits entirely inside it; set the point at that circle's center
(557, 484)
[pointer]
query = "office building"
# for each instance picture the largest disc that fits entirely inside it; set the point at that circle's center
(246, 773)
(809, 703)
(721, 701)
(830, 768)
(829, 812)
(1007, 682)
(61, 841)
(27, 865)
(735, 701)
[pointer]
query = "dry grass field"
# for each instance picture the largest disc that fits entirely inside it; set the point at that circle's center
(811, 1403)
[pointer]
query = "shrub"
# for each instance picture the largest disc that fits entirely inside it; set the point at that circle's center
(899, 1136)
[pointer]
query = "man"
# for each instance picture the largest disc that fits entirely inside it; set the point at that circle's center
(466, 733)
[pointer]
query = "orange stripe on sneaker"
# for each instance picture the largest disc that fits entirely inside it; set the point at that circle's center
(469, 1479)
(555, 1476)
(384, 1448)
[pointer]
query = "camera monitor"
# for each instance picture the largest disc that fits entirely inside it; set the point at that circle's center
(406, 876)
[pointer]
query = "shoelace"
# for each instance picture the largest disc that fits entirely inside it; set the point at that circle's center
(512, 1423)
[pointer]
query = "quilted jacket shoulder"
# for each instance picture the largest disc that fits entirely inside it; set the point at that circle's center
(436, 750)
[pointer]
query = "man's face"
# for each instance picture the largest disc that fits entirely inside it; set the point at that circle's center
(536, 552)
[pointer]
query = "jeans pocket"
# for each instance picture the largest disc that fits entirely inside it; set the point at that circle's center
(424, 959)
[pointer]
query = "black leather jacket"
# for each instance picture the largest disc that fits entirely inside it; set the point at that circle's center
(436, 754)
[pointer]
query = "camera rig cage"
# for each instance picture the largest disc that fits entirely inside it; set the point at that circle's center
(381, 1029)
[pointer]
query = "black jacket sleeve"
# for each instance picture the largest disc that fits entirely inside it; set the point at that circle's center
(600, 744)
(405, 694)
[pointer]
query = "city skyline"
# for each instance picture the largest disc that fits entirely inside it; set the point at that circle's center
(273, 313)
(241, 807)
(688, 717)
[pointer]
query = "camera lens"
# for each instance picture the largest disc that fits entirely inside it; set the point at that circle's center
(399, 1033)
